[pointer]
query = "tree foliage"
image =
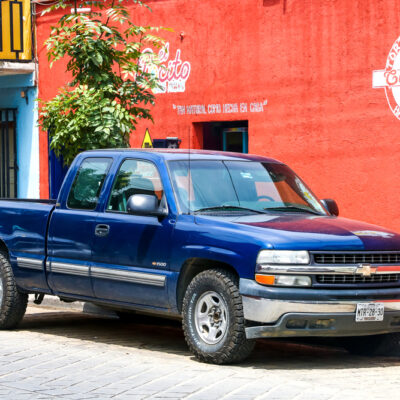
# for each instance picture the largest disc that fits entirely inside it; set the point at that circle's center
(110, 90)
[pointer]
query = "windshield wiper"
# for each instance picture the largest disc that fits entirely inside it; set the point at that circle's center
(226, 207)
(292, 208)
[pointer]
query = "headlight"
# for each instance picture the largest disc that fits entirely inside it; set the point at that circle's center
(283, 257)
(284, 280)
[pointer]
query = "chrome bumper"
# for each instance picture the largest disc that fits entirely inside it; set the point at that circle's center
(268, 311)
(280, 318)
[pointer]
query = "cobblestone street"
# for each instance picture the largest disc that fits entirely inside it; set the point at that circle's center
(69, 355)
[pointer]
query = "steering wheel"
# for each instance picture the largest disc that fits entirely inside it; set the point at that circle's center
(268, 198)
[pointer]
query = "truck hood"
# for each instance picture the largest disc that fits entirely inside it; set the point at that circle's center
(308, 232)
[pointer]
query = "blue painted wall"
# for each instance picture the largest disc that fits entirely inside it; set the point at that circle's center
(27, 130)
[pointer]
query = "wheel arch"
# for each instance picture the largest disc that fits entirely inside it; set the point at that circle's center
(193, 267)
(3, 248)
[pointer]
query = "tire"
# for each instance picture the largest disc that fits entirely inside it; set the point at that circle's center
(213, 322)
(376, 345)
(12, 302)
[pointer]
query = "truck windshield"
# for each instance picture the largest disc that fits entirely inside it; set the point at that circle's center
(240, 186)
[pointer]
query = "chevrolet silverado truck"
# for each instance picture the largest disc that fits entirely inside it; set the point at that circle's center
(236, 245)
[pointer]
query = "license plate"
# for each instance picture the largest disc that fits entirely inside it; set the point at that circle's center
(369, 312)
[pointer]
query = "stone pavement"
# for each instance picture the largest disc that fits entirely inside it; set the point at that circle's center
(65, 354)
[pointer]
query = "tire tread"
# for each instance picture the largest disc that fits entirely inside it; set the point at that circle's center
(238, 348)
(14, 303)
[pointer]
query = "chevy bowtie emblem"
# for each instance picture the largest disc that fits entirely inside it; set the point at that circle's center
(366, 270)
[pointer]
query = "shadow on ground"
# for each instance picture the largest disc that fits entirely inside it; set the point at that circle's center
(164, 335)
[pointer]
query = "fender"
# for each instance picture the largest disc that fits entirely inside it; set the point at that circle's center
(201, 257)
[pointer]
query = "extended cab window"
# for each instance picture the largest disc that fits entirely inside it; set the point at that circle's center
(85, 191)
(134, 177)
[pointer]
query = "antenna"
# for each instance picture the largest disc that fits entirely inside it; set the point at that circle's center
(189, 175)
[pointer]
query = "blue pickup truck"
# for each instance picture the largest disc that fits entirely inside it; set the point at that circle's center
(237, 245)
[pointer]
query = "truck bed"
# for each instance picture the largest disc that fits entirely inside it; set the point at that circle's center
(23, 226)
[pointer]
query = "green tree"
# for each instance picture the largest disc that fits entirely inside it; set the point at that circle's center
(110, 89)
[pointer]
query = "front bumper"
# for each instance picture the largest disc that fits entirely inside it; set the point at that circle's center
(325, 324)
(282, 312)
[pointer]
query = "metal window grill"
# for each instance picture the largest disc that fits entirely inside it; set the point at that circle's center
(8, 154)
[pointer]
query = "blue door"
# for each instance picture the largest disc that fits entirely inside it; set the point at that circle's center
(130, 252)
(72, 229)
(57, 172)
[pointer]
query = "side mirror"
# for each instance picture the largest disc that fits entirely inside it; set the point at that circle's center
(145, 204)
(331, 206)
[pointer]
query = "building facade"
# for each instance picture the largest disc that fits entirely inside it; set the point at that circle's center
(19, 133)
(315, 84)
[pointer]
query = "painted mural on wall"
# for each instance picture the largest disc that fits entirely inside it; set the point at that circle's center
(172, 72)
(389, 78)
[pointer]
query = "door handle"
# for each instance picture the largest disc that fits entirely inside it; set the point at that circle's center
(102, 230)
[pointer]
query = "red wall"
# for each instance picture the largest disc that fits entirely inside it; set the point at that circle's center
(312, 61)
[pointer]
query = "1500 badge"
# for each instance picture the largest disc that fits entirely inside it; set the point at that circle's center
(158, 264)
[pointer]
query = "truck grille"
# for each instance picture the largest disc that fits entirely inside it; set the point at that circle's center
(357, 258)
(351, 279)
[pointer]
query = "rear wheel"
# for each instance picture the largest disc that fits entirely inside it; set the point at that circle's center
(12, 302)
(376, 345)
(213, 321)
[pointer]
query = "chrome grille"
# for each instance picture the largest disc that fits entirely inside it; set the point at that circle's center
(357, 258)
(351, 279)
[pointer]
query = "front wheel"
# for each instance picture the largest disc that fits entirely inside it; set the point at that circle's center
(213, 321)
(376, 345)
(12, 302)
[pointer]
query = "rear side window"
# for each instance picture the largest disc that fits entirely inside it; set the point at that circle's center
(85, 191)
(134, 177)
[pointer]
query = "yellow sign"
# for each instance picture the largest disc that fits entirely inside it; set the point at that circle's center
(147, 142)
(15, 30)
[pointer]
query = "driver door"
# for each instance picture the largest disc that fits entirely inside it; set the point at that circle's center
(130, 256)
